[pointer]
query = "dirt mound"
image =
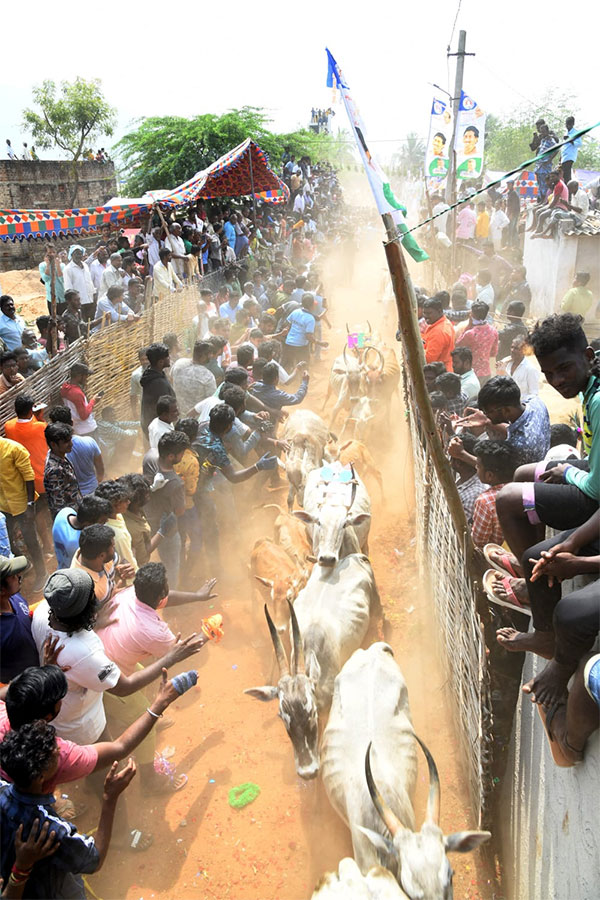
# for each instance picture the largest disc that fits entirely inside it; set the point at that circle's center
(29, 294)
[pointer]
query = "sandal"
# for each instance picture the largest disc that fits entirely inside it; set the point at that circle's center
(490, 579)
(505, 562)
(557, 754)
(140, 840)
(170, 783)
(66, 809)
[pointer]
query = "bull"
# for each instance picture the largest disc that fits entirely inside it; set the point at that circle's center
(348, 883)
(290, 534)
(272, 568)
(370, 731)
(328, 622)
(356, 454)
(307, 436)
(338, 515)
(346, 380)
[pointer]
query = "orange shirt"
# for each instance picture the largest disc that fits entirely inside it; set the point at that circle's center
(30, 434)
(439, 342)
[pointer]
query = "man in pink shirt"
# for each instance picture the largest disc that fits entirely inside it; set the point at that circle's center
(481, 338)
(558, 200)
(136, 634)
(466, 221)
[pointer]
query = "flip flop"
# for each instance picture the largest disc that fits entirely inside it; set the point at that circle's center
(140, 840)
(505, 566)
(66, 809)
(547, 716)
(490, 578)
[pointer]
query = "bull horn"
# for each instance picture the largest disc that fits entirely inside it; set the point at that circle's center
(379, 354)
(297, 647)
(433, 800)
(284, 668)
(369, 327)
(354, 484)
(391, 822)
(347, 329)
(345, 360)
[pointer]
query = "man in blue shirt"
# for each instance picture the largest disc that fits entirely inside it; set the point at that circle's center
(269, 394)
(301, 334)
(18, 649)
(11, 325)
(30, 757)
(113, 307)
(229, 230)
(568, 154)
(69, 523)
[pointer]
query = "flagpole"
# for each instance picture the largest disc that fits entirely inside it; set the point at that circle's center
(252, 185)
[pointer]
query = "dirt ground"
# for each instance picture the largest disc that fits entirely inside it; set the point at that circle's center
(277, 847)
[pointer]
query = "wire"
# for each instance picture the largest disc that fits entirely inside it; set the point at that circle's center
(454, 26)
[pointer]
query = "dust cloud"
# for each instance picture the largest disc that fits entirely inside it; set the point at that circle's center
(281, 844)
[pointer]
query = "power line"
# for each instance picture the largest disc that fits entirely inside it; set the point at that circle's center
(453, 30)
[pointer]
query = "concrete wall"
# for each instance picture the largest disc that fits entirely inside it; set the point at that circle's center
(47, 185)
(550, 816)
(552, 265)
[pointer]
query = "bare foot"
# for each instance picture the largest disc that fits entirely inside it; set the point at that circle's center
(519, 586)
(539, 642)
(549, 686)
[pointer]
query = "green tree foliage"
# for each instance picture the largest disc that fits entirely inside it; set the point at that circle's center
(410, 159)
(508, 138)
(163, 152)
(70, 117)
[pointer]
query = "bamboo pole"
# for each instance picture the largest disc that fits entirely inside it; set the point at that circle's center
(252, 186)
(53, 309)
(408, 329)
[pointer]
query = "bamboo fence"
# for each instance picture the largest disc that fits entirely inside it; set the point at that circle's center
(111, 353)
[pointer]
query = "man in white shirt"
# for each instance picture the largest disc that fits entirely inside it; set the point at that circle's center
(441, 223)
(248, 293)
(484, 287)
(167, 413)
(67, 612)
(165, 278)
(155, 243)
(9, 150)
(97, 267)
(192, 381)
(174, 242)
(522, 370)
(77, 277)
(112, 276)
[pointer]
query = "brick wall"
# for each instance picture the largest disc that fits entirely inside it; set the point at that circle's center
(47, 184)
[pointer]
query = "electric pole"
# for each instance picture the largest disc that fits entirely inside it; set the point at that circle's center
(458, 86)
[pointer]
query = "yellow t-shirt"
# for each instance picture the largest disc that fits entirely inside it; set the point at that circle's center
(15, 470)
(577, 301)
(188, 470)
(482, 228)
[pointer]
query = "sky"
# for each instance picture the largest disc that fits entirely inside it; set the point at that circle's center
(271, 55)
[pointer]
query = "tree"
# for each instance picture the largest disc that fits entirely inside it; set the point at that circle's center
(70, 117)
(163, 152)
(411, 158)
(507, 139)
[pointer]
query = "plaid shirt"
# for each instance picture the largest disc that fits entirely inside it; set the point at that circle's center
(456, 405)
(57, 875)
(60, 483)
(486, 527)
(469, 491)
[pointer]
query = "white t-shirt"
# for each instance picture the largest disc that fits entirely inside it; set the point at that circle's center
(156, 429)
(527, 377)
(81, 718)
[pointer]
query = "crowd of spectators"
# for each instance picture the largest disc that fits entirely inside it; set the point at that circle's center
(80, 522)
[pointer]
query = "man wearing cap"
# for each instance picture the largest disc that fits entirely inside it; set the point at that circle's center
(17, 646)
(69, 612)
(77, 277)
(73, 394)
(17, 501)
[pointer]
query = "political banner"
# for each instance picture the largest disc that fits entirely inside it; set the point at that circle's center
(470, 138)
(439, 141)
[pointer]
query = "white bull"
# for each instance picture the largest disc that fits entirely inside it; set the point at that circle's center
(328, 622)
(348, 883)
(338, 513)
(307, 435)
(369, 765)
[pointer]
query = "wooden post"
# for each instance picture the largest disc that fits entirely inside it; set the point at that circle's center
(252, 185)
(53, 309)
(415, 360)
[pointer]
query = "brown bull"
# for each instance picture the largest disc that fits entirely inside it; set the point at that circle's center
(290, 534)
(273, 568)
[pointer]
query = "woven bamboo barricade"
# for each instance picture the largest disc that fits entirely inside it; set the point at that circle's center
(112, 353)
(446, 555)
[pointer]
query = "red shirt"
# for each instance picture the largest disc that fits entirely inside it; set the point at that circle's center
(30, 434)
(439, 342)
(486, 527)
(483, 343)
(561, 196)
